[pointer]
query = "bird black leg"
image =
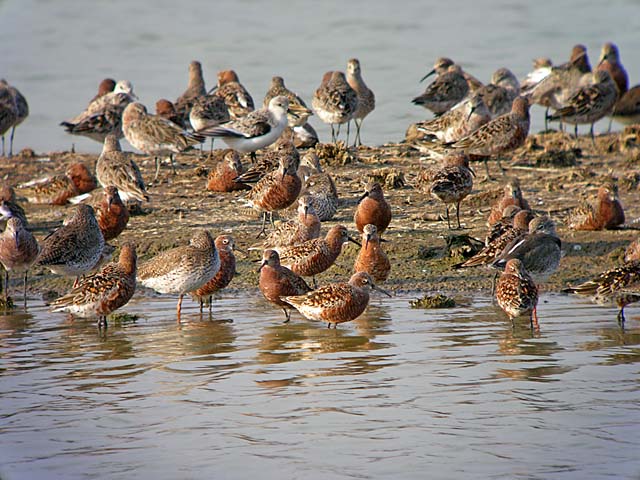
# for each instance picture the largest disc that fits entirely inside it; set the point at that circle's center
(333, 135)
(621, 318)
(25, 290)
(253, 157)
(593, 137)
(263, 230)
(348, 128)
(546, 119)
(575, 131)
(13, 130)
(287, 315)
(446, 206)
(458, 215)
(173, 164)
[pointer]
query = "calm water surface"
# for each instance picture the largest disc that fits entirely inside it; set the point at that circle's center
(56, 52)
(398, 393)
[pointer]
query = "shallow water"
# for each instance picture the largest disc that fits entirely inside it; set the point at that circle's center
(56, 52)
(457, 393)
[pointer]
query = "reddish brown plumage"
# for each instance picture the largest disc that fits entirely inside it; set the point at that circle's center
(81, 177)
(277, 190)
(606, 214)
(373, 209)
(225, 245)
(512, 196)
(222, 177)
(166, 109)
(107, 85)
(277, 281)
(371, 258)
(112, 215)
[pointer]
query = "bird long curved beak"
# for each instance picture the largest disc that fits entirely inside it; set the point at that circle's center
(212, 90)
(473, 109)
(363, 196)
(427, 75)
(381, 290)
(264, 262)
(351, 239)
(366, 241)
(306, 210)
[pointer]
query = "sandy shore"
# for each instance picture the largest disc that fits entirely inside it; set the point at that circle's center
(556, 173)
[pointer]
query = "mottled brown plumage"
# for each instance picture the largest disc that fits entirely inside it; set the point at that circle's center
(373, 208)
(512, 196)
(18, 251)
(117, 168)
(445, 91)
(225, 245)
(237, 98)
(606, 214)
(277, 281)
(277, 88)
(366, 97)
(452, 183)
(299, 230)
(334, 101)
(516, 292)
(223, 178)
(166, 109)
(195, 89)
(57, 190)
(112, 215)
(101, 293)
(336, 302)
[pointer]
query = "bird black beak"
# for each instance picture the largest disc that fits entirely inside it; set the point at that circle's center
(264, 262)
(363, 196)
(381, 290)
(427, 75)
(351, 239)
(472, 172)
(212, 90)
(473, 109)
(366, 241)
(306, 210)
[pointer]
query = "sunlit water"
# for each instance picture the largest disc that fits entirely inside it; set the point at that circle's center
(56, 52)
(399, 393)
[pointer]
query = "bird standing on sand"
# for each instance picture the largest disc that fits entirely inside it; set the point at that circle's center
(452, 183)
(22, 111)
(372, 208)
(114, 167)
(335, 102)
(366, 97)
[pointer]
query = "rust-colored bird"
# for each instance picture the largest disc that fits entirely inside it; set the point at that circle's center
(223, 177)
(225, 245)
(371, 258)
(112, 215)
(605, 215)
(373, 209)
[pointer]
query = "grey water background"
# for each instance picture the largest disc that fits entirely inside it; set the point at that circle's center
(398, 393)
(56, 52)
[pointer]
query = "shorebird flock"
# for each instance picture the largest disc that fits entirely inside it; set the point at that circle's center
(472, 121)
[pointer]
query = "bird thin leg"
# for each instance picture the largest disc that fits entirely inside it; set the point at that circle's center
(210, 304)
(546, 119)
(337, 133)
(201, 305)
(608, 129)
(493, 286)
(535, 326)
(179, 307)
(263, 230)
(446, 206)
(6, 288)
(287, 315)
(25, 290)
(333, 134)
(3, 145)
(458, 214)
(575, 131)
(102, 322)
(13, 130)
(358, 141)
(620, 317)
(155, 178)
(348, 128)
(486, 169)
(253, 157)
(593, 138)
(173, 164)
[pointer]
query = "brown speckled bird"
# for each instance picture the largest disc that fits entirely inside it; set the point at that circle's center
(606, 214)
(182, 269)
(166, 109)
(366, 97)
(117, 168)
(335, 102)
(372, 208)
(18, 251)
(223, 178)
(101, 293)
(336, 302)
(276, 191)
(8, 205)
(57, 190)
(112, 215)
(620, 285)
(320, 187)
(517, 294)
(371, 258)
(225, 245)
(276, 88)
(449, 88)
(238, 100)
(452, 183)
(299, 230)
(503, 224)
(76, 247)
(195, 89)
(317, 255)
(277, 281)
(512, 196)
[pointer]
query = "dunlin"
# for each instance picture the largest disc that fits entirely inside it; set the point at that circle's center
(442, 64)
(504, 223)
(334, 101)
(208, 111)
(372, 258)
(501, 135)
(112, 215)
(277, 281)
(336, 302)
(366, 97)
(320, 188)
(516, 293)
(444, 92)
(277, 88)
(305, 136)
(103, 115)
(76, 247)
(618, 285)
(155, 135)
(605, 215)
(9, 207)
(539, 250)
(315, 256)
(106, 85)
(489, 253)
(372, 208)
(499, 95)
(59, 189)
(277, 190)
(101, 293)
(8, 113)
(225, 246)
(589, 103)
(454, 124)
(512, 196)
(223, 178)
(237, 98)
(299, 230)
(182, 269)
(256, 130)
(22, 111)
(18, 251)
(610, 62)
(114, 167)
(452, 183)
(195, 90)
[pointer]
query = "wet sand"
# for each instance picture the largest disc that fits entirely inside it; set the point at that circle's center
(556, 173)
